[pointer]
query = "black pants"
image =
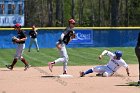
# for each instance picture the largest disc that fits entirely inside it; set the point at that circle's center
(137, 51)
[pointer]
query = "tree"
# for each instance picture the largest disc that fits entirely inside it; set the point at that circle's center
(72, 9)
(114, 12)
(81, 7)
(86, 12)
(50, 13)
(58, 3)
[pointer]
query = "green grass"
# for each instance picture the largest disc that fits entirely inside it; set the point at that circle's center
(133, 84)
(77, 56)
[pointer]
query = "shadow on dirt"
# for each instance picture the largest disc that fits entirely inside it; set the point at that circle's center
(50, 76)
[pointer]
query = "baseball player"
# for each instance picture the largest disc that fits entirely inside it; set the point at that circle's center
(33, 38)
(111, 67)
(20, 41)
(65, 38)
(137, 52)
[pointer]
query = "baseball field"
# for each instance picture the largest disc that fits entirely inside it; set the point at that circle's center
(38, 79)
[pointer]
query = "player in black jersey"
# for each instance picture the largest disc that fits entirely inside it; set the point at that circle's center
(65, 38)
(33, 38)
(20, 48)
(137, 51)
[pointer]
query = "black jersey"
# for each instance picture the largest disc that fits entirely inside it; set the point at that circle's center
(138, 42)
(33, 34)
(67, 37)
(21, 35)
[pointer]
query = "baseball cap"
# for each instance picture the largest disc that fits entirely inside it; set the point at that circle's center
(72, 21)
(17, 25)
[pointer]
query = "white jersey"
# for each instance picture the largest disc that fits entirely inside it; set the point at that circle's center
(114, 64)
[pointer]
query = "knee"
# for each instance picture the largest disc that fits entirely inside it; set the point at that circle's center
(66, 59)
(105, 74)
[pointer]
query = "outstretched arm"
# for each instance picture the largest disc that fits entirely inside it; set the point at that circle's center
(103, 53)
(127, 70)
(108, 53)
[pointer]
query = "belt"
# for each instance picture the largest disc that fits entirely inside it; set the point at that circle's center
(20, 43)
(110, 68)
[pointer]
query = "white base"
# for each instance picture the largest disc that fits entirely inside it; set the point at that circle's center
(65, 76)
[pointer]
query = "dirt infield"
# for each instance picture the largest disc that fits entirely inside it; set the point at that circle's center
(40, 80)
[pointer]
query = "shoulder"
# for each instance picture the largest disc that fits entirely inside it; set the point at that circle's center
(122, 61)
(23, 33)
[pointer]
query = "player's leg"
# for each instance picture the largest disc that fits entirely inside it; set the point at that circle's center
(12, 65)
(65, 68)
(31, 42)
(64, 58)
(137, 52)
(16, 57)
(86, 72)
(36, 44)
(98, 69)
(108, 72)
(22, 46)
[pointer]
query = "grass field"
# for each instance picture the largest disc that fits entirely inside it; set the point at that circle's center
(77, 56)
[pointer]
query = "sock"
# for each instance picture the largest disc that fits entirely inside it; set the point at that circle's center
(24, 61)
(14, 62)
(88, 71)
(52, 62)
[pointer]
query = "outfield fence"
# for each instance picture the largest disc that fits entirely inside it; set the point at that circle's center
(86, 37)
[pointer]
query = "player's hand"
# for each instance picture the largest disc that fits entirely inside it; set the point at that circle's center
(59, 46)
(100, 57)
(14, 39)
(17, 40)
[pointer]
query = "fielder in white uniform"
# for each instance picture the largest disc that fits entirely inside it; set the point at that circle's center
(111, 67)
(65, 38)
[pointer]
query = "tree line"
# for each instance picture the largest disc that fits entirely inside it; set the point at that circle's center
(97, 13)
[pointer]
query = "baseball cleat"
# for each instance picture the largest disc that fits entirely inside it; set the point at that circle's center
(27, 67)
(9, 67)
(65, 72)
(139, 83)
(81, 74)
(50, 66)
(99, 75)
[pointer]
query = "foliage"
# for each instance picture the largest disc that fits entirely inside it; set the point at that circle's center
(45, 13)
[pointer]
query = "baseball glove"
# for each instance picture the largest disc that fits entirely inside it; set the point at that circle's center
(14, 39)
(73, 36)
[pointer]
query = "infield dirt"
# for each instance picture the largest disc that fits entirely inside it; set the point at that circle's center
(41, 80)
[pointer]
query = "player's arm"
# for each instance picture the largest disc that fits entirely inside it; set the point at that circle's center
(105, 52)
(72, 35)
(127, 71)
(64, 33)
(62, 36)
(36, 32)
(20, 40)
(125, 65)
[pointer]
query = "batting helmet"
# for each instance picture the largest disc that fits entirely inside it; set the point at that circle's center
(118, 53)
(17, 25)
(71, 21)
